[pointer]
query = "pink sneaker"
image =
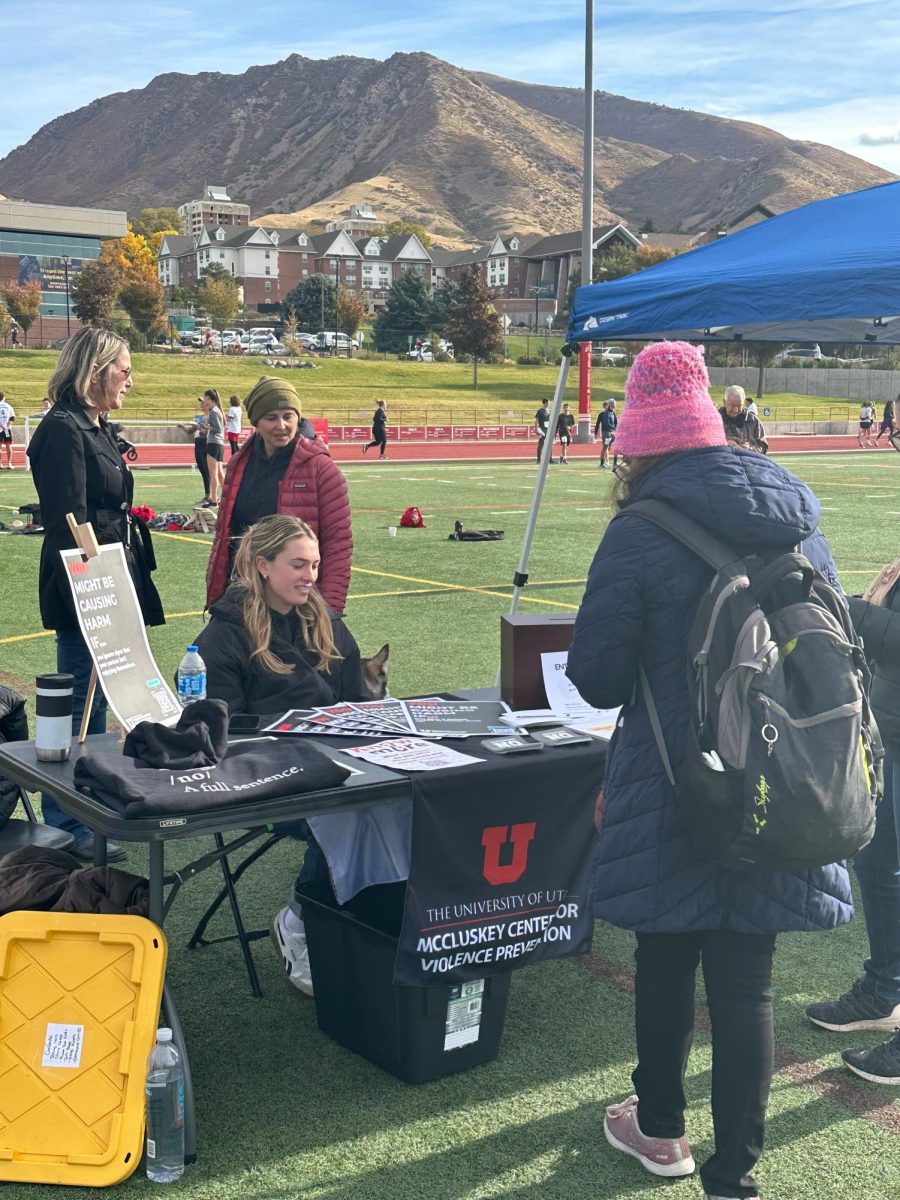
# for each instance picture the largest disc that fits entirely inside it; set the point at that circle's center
(670, 1157)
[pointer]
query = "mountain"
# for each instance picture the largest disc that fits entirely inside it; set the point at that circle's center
(465, 154)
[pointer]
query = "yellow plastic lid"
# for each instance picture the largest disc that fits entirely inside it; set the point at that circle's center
(79, 1010)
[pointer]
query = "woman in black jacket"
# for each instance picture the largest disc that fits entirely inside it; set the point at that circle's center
(873, 1001)
(273, 645)
(77, 468)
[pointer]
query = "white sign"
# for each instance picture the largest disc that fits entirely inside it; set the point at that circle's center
(62, 1046)
(412, 754)
(564, 698)
(111, 623)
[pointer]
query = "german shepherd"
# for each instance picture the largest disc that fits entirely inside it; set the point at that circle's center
(374, 674)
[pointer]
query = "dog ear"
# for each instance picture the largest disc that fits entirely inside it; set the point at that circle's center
(379, 659)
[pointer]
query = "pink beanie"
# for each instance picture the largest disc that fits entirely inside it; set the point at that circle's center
(667, 403)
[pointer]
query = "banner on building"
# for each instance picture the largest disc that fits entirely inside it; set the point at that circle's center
(50, 273)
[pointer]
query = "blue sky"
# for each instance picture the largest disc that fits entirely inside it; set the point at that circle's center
(818, 70)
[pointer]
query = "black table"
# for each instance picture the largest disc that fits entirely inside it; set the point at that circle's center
(367, 786)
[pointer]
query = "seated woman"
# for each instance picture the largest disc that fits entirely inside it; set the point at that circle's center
(272, 644)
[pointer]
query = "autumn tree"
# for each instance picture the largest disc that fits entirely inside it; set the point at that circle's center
(350, 312)
(144, 301)
(220, 298)
(400, 228)
(472, 322)
(95, 289)
(151, 221)
(133, 254)
(23, 303)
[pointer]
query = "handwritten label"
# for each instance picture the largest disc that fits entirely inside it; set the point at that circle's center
(62, 1046)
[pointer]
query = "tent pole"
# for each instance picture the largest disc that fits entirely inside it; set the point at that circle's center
(521, 576)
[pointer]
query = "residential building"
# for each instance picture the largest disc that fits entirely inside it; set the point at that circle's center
(249, 255)
(359, 221)
(215, 207)
(49, 244)
(527, 276)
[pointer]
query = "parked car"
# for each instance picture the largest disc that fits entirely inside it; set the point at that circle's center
(609, 356)
(265, 346)
(326, 339)
(805, 353)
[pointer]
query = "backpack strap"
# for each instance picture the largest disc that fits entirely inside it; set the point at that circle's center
(655, 723)
(685, 530)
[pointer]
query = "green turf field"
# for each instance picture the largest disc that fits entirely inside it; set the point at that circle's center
(284, 1113)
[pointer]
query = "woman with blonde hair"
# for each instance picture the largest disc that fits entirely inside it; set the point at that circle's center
(272, 644)
(77, 468)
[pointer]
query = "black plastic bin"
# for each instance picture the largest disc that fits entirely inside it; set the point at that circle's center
(409, 1031)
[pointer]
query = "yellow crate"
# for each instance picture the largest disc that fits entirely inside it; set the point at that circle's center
(79, 1009)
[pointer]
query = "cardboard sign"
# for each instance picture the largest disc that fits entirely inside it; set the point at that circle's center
(112, 626)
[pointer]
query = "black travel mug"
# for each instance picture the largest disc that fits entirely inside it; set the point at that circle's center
(53, 706)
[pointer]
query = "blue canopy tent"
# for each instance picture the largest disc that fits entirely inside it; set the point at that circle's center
(826, 272)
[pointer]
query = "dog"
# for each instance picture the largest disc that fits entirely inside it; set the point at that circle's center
(374, 674)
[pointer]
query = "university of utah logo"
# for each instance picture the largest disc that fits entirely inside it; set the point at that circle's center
(494, 839)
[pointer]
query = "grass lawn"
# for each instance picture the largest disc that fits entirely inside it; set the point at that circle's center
(344, 390)
(284, 1113)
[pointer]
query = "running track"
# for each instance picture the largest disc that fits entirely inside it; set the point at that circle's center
(183, 455)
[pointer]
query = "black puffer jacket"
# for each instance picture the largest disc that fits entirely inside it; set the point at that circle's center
(247, 688)
(879, 629)
(13, 728)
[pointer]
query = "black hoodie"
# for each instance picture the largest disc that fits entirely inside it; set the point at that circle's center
(246, 687)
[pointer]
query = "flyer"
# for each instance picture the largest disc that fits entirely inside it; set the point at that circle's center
(564, 699)
(412, 754)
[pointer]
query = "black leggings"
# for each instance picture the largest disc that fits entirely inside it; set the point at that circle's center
(737, 971)
(378, 441)
(202, 465)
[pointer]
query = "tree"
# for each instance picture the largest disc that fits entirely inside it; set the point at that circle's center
(5, 324)
(472, 322)
(94, 291)
(24, 304)
(144, 301)
(220, 299)
(289, 334)
(150, 221)
(350, 311)
(399, 228)
(616, 263)
(406, 314)
(312, 302)
(762, 354)
(134, 255)
(442, 299)
(215, 270)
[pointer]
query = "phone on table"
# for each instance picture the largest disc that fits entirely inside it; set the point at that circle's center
(241, 723)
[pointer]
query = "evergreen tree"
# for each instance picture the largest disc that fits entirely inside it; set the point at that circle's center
(407, 313)
(442, 298)
(306, 300)
(472, 322)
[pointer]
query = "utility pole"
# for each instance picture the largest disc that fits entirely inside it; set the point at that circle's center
(587, 222)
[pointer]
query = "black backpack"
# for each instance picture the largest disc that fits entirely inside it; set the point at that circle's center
(782, 757)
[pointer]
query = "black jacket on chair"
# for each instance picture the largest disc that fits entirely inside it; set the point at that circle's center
(77, 469)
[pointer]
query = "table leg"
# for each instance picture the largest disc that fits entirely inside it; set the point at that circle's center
(173, 1022)
(238, 921)
(157, 875)
(99, 850)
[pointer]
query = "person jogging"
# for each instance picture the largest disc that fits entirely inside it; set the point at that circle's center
(888, 421)
(379, 430)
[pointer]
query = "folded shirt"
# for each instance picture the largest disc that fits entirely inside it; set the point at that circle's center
(198, 740)
(249, 772)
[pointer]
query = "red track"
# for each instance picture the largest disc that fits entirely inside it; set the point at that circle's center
(183, 456)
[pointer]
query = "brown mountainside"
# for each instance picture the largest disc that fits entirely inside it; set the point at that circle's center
(465, 154)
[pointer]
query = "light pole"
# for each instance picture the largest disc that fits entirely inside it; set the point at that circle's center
(538, 290)
(65, 262)
(337, 288)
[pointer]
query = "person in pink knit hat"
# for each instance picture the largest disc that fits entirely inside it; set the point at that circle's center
(687, 911)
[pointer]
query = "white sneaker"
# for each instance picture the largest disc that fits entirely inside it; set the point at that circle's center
(293, 954)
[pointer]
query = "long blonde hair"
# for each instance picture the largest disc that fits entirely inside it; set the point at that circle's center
(266, 539)
(88, 351)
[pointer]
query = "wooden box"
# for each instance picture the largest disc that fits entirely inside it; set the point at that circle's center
(523, 639)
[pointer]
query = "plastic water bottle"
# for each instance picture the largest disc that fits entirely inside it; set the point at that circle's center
(165, 1111)
(191, 677)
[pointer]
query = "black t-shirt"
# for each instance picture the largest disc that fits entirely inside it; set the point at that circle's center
(258, 494)
(542, 418)
(564, 424)
(379, 420)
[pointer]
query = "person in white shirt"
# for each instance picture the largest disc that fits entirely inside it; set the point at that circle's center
(233, 423)
(7, 416)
